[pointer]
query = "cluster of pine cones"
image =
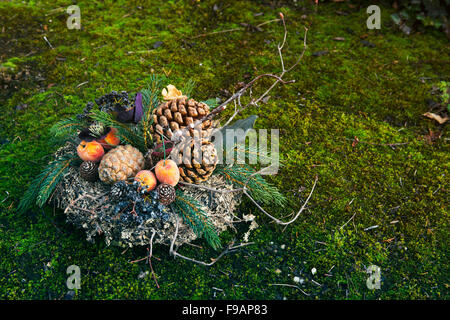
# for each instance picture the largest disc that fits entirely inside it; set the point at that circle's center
(124, 162)
(176, 115)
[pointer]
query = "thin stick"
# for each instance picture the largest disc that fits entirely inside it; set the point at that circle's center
(209, 188)
(229, 249)
(232, 30)
(150, 254)
(349, 220)
(289, 285)
(277, 220)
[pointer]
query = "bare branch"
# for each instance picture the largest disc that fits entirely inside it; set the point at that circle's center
(229, 249)
(277, 220)
(254, 102)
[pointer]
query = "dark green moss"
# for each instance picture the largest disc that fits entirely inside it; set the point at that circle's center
(376, 94)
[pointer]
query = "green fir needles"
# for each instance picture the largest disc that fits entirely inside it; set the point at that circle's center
(193, 215)
(67, 127)
(43, 185)
(150, 101)
(261, 190)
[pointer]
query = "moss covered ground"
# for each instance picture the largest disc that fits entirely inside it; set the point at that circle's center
(353, 82)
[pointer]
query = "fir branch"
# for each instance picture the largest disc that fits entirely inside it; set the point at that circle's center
(193, 215)
(150, 101)
(258, 187)
(67, 127)
(45, 183)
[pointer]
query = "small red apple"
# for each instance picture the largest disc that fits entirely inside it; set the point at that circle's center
(146, 179)
(90, 151)
(167, 172)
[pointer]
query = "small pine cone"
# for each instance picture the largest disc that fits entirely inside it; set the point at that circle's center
(89, 171)
(177, 114)
(119, 190)
(97, 129)
(166, 193)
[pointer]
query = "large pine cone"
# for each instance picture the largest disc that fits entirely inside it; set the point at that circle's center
(194, 169)
(120, 163)
(178, 114)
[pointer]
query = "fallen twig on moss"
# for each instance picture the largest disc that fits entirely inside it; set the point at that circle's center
(234, 29)
(237, 97)
(290, 286)
(296, 216)
(231, 248)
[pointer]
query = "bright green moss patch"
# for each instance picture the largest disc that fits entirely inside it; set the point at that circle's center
(353, 118)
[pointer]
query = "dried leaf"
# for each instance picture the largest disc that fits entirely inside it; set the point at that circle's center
(436, 117)
(171, 92)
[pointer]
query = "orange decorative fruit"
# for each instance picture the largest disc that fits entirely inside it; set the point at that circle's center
(146, 179)
(90, 151)
(167, 172)
(110, 140)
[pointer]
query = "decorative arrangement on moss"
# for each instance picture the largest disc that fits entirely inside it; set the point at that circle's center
(128, 167)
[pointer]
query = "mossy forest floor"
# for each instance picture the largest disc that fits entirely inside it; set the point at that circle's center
(353, 82)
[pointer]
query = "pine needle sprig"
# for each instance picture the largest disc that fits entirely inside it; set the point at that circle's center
(193, 215)
(43, 185)
(30, 196)
(258, 187)
(151, 93)
(188, 87)
(249, 153)
(67, 127)
(150, 101)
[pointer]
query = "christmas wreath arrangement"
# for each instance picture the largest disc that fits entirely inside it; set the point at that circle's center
(139, 170)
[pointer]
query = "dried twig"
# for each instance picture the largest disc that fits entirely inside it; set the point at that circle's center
(277, 220)
(150, 254)
(290, 286)
(81, 197)
(247, 87)
(148, 258)
(233, 29)
(229, 249)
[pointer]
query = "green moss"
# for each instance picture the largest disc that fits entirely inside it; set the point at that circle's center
(376, 94)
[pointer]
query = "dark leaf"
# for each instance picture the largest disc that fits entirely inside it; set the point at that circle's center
(138, 109)
(243, 124)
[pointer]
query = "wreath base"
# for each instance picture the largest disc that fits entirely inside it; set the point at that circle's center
(87, 206)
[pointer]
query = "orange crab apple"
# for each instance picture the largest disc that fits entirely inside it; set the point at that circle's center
(167, 172)
(146, 179)
(110, 140)
(90, 151)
